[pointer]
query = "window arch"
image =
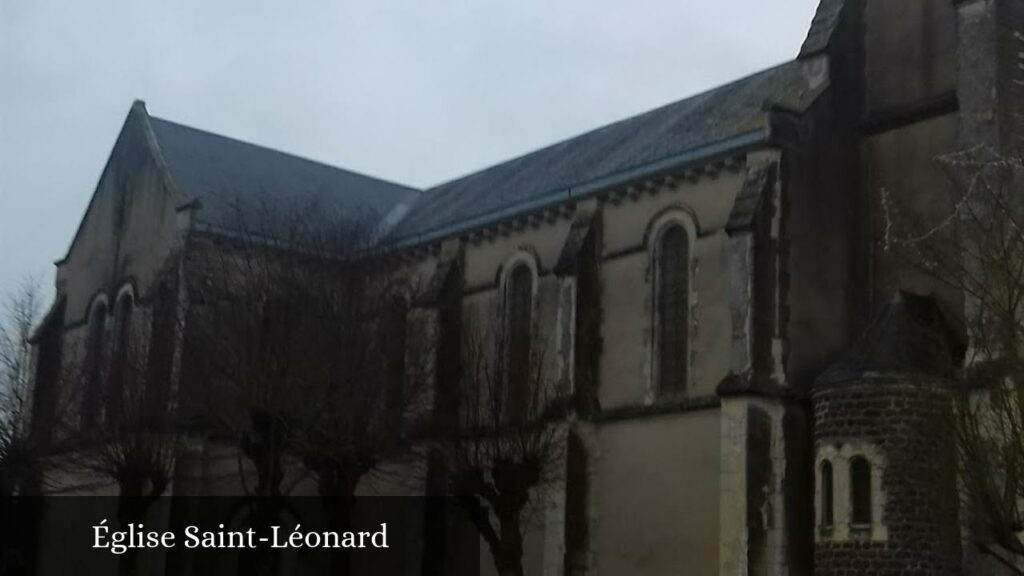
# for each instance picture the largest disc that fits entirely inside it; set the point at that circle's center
(94, 364)
(672, 295)
(827, 495)
(860, 492)
(854, 470)
(518, 307)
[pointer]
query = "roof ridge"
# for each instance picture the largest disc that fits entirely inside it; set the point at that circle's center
(139, 107)
(823, 24)
(705, 92)
(280, 152)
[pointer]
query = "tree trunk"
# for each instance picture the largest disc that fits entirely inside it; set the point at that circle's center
(508, 550)
(265, 512)
(131, 509)
(337, 492)
(504, 541)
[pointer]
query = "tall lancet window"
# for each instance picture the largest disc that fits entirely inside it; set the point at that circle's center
(518, 315)
(672, 287)
(92, 391)
(860, 492)
(827, 502)
(120, 368)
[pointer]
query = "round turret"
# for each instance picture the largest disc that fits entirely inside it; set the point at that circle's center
(885, 496)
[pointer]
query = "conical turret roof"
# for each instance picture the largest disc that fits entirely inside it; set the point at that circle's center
(910, 335)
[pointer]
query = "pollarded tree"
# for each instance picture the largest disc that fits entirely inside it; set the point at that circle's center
(303, 334)
(362, 377)
(503, 441)
(250, 345)
(133, 436)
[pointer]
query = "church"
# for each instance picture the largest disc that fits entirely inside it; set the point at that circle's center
(708, 279)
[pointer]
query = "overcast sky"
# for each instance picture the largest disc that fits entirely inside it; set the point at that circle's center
(416, 91)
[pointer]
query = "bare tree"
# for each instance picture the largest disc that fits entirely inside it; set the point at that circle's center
(134, 442)
(248, 343)
(505, 441)
(307, 348)
(21, 452)
(133, 437)
(240, 332)
(22, 455)
(363, 381)
(977, 251)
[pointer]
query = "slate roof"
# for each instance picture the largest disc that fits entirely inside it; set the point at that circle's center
(826, 18)
(233, 179)
(910, 335)
(710, 123)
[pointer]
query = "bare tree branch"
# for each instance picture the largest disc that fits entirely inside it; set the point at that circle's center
(977, 250)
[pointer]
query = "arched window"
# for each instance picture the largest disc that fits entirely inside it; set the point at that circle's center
(518, 315)
(123, 326)
(827, 506)
(161, 352)
(672, 261)
(122, 354)
(395, 334)
(92, 392)
(448, 353)
(860, 491)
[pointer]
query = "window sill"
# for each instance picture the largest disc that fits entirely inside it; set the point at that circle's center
(861, 532)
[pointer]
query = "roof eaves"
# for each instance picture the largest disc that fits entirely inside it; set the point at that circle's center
(585, 189)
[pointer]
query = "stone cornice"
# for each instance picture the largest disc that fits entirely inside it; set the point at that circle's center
(615, 196)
